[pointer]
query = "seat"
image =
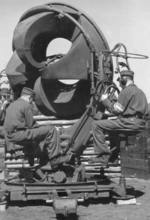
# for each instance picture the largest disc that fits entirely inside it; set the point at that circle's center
(134, 153)
(128, 137)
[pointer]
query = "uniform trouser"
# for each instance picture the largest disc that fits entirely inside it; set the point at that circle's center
(46, 138)
(99, 127)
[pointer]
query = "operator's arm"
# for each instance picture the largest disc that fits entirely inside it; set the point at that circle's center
(30, 122)
(114, 108)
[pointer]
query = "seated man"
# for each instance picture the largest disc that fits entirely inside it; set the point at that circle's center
(131, 108)
(21, 129)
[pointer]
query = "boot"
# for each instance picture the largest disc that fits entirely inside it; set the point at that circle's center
(69, 158)
(103, 158)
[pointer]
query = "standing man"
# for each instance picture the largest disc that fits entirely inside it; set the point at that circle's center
(131, 109)
(21, 129)
(6, 99)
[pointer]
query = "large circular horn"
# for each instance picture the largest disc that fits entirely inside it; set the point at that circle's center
(36, 29)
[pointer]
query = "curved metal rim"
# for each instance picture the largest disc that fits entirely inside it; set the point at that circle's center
(41, 8)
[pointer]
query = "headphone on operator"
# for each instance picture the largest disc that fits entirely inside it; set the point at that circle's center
(124, 76)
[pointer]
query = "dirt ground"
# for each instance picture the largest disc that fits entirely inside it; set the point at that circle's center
(92, 210)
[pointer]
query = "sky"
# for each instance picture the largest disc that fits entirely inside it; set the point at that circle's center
(125, 21)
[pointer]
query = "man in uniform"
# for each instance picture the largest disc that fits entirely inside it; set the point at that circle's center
(21, 128)
(6, 99)
(131, 108)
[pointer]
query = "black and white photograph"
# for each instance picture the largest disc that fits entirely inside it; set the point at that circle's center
(74, 109)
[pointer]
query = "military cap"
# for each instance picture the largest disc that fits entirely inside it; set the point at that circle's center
(27, 91)
(127, 73)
